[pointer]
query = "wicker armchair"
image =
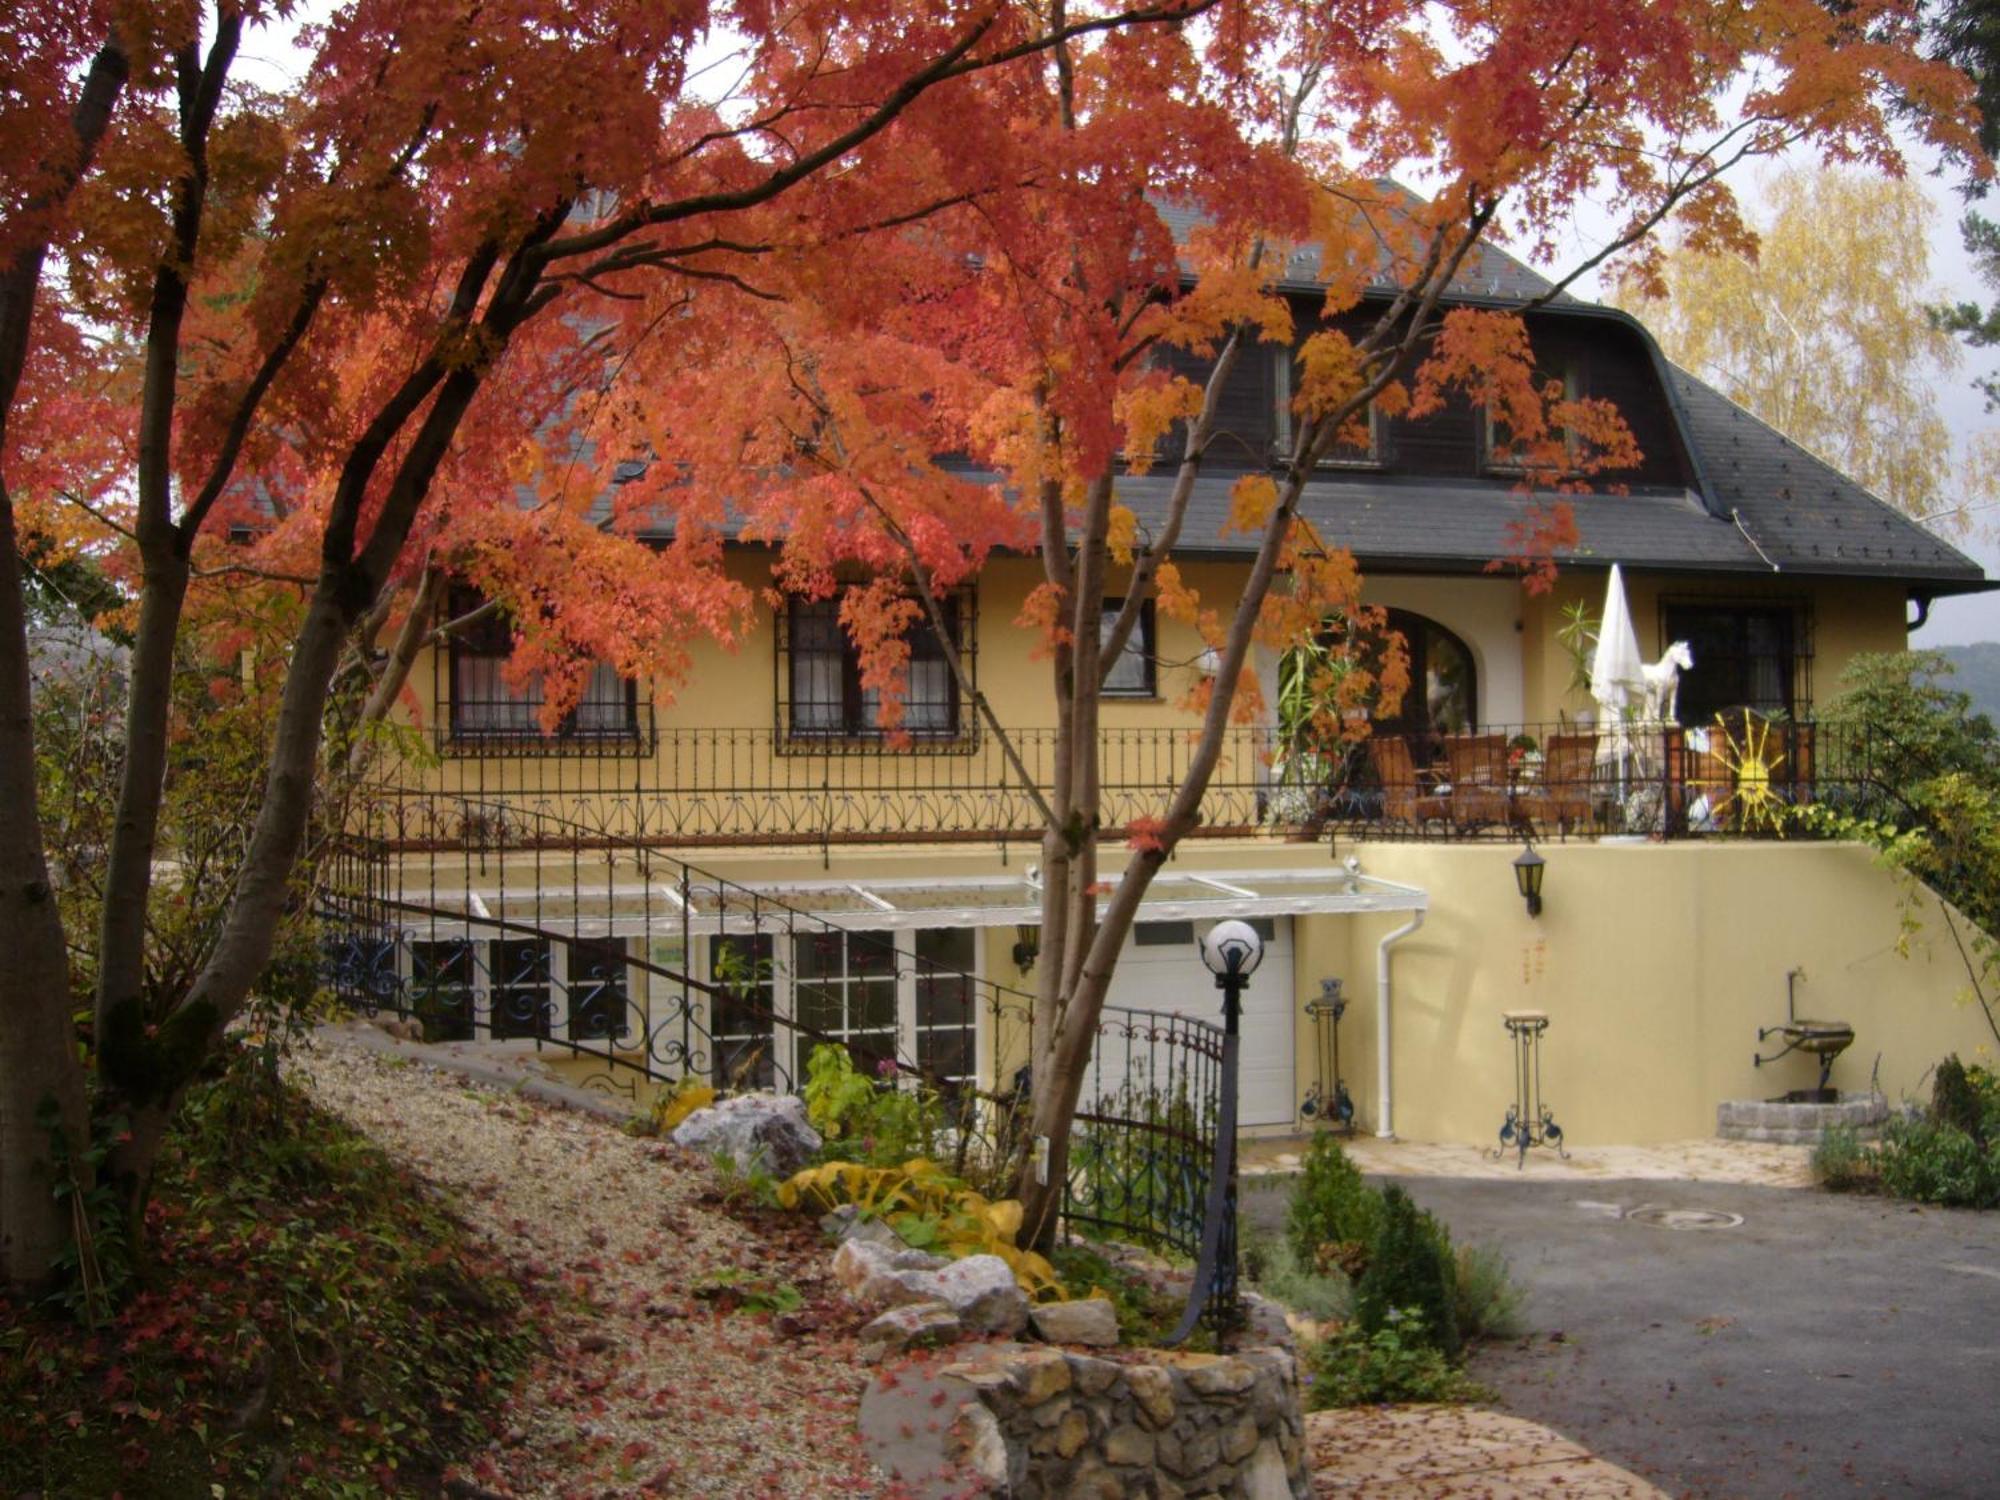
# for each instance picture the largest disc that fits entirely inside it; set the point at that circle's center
(1405, 796)
(1565, 797)
(1477, 767)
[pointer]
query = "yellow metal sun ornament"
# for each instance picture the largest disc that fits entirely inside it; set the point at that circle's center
(1754, 758)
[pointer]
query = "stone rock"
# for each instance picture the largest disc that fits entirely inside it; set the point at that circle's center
(913, 1325)
(1128, 1445)
(879, 1277)
(1089, 1320)
(1072, 1432)
(982, 1291)
(1050, 1413)
(1216, 1374)
(1092, 1481)
(1200, 1452)
(1239, 1440)
(757, 1132)
(1266, 1322)
(1094, 1376)
(1265, 1477)
(1153, 1389)
(1044, 1375)
(980, 1445)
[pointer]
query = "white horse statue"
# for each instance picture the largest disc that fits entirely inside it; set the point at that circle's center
(1660, 693)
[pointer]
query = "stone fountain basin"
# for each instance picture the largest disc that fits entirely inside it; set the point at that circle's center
(1798, 1124)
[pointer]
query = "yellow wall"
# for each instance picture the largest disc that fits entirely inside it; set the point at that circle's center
(1656, 965)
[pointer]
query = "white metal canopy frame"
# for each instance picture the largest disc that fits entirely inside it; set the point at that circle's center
(628, 907)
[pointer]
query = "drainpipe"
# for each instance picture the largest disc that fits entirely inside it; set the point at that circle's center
(1385, 1128)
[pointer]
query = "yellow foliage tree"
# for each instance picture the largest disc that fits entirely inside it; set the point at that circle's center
(1825, 335)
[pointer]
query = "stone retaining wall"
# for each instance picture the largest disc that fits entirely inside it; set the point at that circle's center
(1042, 1422)
(1797, 1124)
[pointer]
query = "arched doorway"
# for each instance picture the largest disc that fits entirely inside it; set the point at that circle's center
(1315, 773)
(1443, 696)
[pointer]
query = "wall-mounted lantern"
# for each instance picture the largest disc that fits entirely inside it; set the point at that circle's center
(1529, 868)
(1027, 946)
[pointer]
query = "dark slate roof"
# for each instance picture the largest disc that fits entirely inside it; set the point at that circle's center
(1404, 524)
(1771, 507)
(1488, 271)
(1761, 502)
(1805, 514)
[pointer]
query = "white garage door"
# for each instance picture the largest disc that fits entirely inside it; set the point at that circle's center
(1161, 969)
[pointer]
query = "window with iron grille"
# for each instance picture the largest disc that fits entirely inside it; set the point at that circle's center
(820, 693)
(1746, 655)
(486, 709)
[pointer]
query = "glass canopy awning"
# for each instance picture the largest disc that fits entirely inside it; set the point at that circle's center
(875, 905)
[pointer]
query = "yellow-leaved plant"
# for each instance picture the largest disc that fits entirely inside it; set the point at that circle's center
(676, 1104)
(931, 1210)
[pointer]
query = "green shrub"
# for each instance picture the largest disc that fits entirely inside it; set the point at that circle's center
(1841, 1163)
(1269, 1264)
(1411, 1268)
(1486, 1301)
(866, 1119)
(1954, 1100)
(1399, 1361)
(1968, 1098)
(1928, 1161)
(1332, 1206)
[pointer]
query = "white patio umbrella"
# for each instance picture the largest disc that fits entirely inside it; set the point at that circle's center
(1616, 669)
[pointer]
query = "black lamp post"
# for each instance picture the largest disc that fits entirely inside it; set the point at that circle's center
(1232, 950)
(1528, 870)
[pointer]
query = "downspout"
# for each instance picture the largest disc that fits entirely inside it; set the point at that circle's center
(1384, 1127)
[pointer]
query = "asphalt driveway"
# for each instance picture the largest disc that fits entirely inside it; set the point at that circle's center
(1822, 1346)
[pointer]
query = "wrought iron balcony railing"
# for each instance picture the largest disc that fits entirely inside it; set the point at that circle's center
(1741, 775)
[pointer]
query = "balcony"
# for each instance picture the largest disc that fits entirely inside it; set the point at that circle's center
(750, 787)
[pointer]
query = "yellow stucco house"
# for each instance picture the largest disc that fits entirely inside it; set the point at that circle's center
(579, 892)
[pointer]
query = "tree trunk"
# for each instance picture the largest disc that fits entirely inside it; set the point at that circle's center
(149, 1085)
(38, 1060)
(128, 876)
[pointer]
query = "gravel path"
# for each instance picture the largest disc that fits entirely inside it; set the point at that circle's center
(648, 1388)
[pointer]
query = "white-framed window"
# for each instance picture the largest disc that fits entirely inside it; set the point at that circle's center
(1135, 673)
(515, 988)
(907, 995)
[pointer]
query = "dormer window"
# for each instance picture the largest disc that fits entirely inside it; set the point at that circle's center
(1369, 454)
(1496, 451)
